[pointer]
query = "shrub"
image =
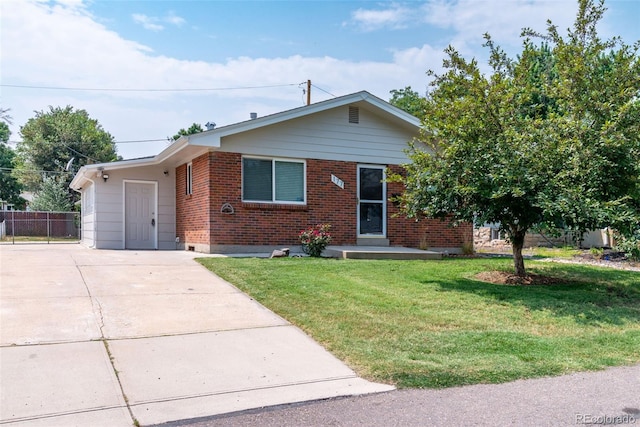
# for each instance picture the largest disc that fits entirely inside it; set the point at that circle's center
(467, 248)
(315, 239)
(630, 245)
(597, 253)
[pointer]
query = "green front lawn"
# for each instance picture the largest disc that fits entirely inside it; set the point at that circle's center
(431, 324)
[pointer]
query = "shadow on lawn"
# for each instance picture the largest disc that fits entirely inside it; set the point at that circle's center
(590, 301)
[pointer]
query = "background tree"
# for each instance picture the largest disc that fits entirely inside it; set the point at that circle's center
(9, 186)
(4, 115)
(194, 128)
(551, 138)
(51, 139)
(408, 100)
(52, 196)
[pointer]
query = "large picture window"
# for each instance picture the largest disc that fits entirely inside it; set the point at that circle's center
(273, 180)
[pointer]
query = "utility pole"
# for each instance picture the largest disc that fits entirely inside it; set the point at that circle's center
(308, 92)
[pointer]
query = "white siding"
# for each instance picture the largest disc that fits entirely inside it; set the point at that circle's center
(88, 215)
(327, 136)
(110, 206)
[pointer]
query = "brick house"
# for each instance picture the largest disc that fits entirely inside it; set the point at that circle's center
(253, 186)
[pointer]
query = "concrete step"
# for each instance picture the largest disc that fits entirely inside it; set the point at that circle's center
(379, 252)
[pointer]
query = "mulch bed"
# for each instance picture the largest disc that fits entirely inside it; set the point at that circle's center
(506, 278)
(607, 259)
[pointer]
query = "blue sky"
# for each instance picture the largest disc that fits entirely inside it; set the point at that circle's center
(270, 46)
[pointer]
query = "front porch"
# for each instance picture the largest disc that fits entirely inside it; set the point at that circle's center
(379, 252)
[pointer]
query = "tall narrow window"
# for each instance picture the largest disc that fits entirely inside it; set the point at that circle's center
(189, 189)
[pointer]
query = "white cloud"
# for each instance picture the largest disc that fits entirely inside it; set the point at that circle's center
(395, 17)
(154, 23)
(503, 20)
(173, 19)
(147, 22)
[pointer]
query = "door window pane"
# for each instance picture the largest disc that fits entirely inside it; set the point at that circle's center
(371, 218)
(370, 184)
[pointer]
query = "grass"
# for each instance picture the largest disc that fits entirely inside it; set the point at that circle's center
(431, 324)
(566, 252)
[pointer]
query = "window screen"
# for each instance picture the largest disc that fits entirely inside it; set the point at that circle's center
(257, 180)
(268, 180)
(289, 181)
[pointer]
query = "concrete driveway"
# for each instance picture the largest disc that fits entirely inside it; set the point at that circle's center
(98, 337)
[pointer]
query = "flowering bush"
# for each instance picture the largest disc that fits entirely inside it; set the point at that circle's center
(315, 239)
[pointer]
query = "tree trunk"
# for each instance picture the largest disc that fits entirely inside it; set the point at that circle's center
(517, 242)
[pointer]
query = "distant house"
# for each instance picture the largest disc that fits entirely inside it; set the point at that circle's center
(490, 237)
(254, 185)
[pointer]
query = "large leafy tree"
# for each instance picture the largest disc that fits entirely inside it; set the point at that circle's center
(550, 138)
(408, 100)
(52, 196)
(194, 128)
(59, 141)
(9, 186)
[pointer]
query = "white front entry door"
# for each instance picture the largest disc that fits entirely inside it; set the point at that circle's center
(372, 206)
(140, 215)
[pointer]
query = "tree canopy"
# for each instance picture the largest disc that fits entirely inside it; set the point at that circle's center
(550, 138)
(194, 128)
(59, 137)
(52, 196)
(408, 100)
(9, 186)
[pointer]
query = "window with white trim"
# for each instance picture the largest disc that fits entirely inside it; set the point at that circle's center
(273, 180)
(189, 189)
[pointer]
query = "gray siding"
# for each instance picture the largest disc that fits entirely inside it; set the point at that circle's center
(88, 216)
(328, 136)
(110, 206)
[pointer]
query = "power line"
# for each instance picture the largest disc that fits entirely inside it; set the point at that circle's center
(133, 141)
(79, 153)
(146, 90)
(328, 93)
(33, 170)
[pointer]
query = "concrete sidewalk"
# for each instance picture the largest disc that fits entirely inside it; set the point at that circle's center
(97, 337)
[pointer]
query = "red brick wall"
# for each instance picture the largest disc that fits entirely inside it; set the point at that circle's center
(192, 211)
(274, 224)
(432, 233)
(200, 220)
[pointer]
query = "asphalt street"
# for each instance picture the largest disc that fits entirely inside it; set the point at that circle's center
(610, 397)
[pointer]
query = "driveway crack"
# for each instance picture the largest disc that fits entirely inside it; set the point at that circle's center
(95, 303)
(97, 308)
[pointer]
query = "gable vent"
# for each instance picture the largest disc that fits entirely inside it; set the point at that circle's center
(354, 115)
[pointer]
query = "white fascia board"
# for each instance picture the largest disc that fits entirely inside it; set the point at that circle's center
(85, 171)
(213, 137)
(393, 110)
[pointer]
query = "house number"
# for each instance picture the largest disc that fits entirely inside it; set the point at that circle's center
(337, 181)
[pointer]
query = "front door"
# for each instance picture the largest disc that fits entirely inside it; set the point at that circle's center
(140, 215)
(372, 207)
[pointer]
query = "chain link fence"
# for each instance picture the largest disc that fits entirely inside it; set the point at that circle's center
(29, 226)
